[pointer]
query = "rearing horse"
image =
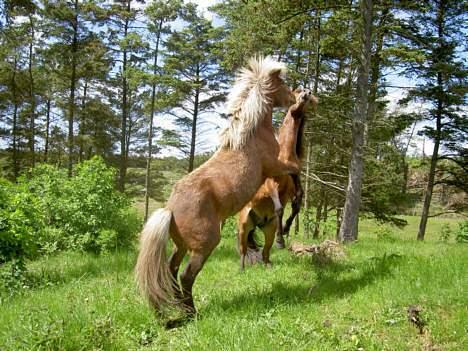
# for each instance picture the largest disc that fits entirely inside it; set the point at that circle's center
(217, 189)
(265, 209)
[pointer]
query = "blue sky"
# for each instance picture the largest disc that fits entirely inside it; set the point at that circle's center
(211, 125)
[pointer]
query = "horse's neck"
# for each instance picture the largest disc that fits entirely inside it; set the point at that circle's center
(287, 137)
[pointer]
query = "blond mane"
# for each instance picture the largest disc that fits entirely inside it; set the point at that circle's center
(248, 100)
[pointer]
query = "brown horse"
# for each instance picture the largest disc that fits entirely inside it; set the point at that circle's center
(266, 207)
(217, 189)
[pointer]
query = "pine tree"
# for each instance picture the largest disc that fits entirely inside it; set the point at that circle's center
(70, 24)
(124, 43)
(192, 64)
(433, 30)
(159, 13)
(349, 225)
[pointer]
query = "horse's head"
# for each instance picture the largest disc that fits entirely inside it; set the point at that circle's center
(304, 100)
(282, 95)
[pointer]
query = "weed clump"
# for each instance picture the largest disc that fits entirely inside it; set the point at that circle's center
(322, 254)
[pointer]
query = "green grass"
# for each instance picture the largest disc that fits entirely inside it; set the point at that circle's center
(85, 302)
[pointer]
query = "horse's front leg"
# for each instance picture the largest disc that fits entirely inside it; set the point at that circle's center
(295, 203)
(281, 168)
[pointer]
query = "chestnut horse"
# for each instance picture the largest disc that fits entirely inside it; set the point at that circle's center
(219, 188)
(266, 208)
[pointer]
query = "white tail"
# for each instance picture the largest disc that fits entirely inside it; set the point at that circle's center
(152, 270)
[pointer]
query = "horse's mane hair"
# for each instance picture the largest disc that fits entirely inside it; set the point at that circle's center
(248, 100)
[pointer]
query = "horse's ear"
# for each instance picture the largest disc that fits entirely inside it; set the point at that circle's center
(277, 73)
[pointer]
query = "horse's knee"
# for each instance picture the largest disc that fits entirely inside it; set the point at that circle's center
(279, 212)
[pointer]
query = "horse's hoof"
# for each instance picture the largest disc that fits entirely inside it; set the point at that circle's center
(280, 245)
(180, 322)
(176, 323)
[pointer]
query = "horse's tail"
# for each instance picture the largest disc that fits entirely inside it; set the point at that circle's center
(152, 270)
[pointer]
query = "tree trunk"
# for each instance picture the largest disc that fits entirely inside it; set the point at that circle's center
(130, 125)
(435, 153)
(325, 206)
(405, 165)
(430, 183)
(339, 213)
(318, 217)
(298, 58)
(194, 121)
(150, 131)
(46, 147)
(306, 197)
(349, 225)
(438, 136)
(123, 137)
(325, 211)
(32, 97)
(375, 69)
(15, 121)
(71, 102)
(82, 122)
(309, 143)
(317, 55)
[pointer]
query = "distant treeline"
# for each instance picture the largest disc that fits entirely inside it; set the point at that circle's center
(83, 78)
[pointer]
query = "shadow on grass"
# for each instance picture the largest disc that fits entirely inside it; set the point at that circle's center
(334, 280)
(53, 272)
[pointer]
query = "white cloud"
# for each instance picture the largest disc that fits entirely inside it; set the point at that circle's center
(203, 6)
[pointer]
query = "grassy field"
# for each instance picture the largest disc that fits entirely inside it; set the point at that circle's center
(85, 302)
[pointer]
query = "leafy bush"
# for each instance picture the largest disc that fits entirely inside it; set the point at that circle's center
(47, 211)
(92, 207)
(385, 234)
(445, 233)
(461, 235)
(13, 276)
(21, 222)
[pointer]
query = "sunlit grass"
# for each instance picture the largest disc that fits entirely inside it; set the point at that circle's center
(84, 302)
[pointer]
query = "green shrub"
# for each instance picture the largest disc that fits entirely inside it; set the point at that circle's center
(385, 234)
(13, 276)
(86, 207)
(21, 222)
(47, 212)
(461, 235)
(52, 240)
(445, 233)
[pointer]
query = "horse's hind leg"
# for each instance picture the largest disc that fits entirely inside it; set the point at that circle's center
(245, 226)
(194, 266)
(280, 244)
(269, 230)
(176, 258)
